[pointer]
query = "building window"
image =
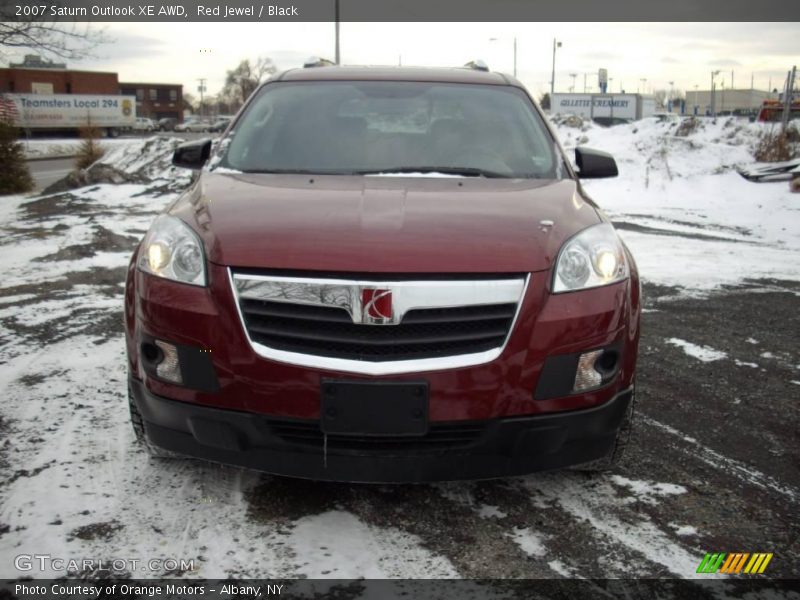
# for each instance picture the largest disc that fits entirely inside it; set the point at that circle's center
(69, 88)
(10, 86)
(173, 95)
(153, 95)
(140, 95)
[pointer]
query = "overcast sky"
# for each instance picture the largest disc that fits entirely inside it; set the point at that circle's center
(685, 53)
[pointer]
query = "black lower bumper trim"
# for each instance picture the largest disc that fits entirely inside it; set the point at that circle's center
(505, 447)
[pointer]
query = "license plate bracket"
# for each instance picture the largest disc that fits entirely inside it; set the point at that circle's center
(380, 408)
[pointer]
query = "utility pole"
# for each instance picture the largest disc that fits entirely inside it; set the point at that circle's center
(556, 44)
(515, 56)
(338, 61)
(713, 95)
(201, 88)
(787, 97)
(671, 94)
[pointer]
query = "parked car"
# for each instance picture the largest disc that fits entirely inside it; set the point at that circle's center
(220, 125)
(166, 124)
(182, 126)
(194, 123)
(143, 124)
(385, 274)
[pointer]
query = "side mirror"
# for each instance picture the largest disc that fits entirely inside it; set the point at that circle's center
(593, 164)
(192, 155)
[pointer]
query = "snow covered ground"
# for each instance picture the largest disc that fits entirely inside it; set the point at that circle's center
(688, 217)
(52, 148)
(75, 485)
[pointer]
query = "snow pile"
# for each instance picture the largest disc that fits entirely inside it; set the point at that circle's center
(150, 157)
(690, 220)
(132, 161)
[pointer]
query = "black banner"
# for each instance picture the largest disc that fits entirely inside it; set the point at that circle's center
(399, 10)
(395, 589)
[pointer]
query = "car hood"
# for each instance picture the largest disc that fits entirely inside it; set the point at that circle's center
(384, 224)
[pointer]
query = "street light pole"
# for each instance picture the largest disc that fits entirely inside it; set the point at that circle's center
(556, 44)
(201, 88)
(494, 39)
(515, 56)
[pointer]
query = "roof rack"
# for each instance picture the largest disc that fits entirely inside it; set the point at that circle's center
(477, 65)
(316, 61)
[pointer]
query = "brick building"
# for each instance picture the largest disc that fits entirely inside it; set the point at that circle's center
(49, 80)
(37, 76)
(156, 100)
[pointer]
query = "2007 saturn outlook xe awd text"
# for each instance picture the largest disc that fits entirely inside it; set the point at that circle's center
(385, 275)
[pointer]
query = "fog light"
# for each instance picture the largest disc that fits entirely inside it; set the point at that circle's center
(169, 367)
(586, 376)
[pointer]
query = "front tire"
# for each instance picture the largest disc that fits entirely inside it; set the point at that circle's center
(611, 460)
(141, 437)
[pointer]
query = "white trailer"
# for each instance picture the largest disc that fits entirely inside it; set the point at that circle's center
(605, 107)
(54, 112)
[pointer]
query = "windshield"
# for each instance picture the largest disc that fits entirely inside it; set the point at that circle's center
(378, 127)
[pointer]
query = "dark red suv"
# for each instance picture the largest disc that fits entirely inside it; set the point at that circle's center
(385, 274)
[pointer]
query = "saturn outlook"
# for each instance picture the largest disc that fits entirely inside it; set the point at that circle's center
(385, 275)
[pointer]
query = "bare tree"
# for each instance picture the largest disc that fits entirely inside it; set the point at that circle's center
(661, 97)
(244, 79)
(189, 102)
(68, 40)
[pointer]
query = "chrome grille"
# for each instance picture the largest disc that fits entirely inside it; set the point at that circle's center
(322, 322)
(425, 333)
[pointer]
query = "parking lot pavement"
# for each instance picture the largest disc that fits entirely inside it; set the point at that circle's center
(47, 171)
(712, 465)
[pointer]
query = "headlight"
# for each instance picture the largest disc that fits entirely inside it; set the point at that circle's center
(592, 258)
(173, 251)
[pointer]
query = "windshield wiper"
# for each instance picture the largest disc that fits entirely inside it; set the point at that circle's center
(293, 172)
(465, 171)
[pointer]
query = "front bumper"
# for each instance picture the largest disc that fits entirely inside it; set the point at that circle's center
(499, 447)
